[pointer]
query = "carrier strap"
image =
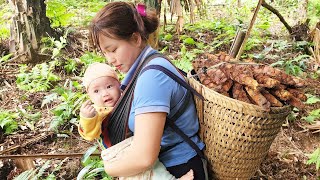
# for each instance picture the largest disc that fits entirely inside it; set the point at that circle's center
(115, 126)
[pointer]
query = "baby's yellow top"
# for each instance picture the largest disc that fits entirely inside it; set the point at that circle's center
(90, 128)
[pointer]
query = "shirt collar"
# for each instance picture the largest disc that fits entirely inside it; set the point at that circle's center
(146, 51)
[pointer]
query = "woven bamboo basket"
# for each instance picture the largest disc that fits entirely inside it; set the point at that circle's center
(237, 135)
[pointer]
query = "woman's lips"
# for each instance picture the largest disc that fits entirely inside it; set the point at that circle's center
(118, 66)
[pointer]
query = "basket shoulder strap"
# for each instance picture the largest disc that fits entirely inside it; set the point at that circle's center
(170, 121)
(176, 129)
(174, 77)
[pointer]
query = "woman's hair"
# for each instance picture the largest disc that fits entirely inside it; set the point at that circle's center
(120, 20)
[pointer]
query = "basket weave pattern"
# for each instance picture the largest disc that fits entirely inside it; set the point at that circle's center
(237, 135)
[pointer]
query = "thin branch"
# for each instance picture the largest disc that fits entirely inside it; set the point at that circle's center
(14, 58)
(38, 138)
(276, 12)
(45, 156)
(249, 29)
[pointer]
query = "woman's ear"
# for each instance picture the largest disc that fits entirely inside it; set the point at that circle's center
(136, 39)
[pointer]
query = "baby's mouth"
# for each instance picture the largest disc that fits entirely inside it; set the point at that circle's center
(107, 100)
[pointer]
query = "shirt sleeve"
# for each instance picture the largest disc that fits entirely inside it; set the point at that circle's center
(90, 128)
(153, 92)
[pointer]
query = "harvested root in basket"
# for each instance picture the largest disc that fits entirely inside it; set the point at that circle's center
(258, 98)
(273, 100)
(298, 94)
(296, 102)
(257, 84)
(277, 74)
(282, 94)
(266, 81)
(239, 93)
(240, 74)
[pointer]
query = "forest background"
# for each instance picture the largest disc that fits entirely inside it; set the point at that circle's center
(40, 79)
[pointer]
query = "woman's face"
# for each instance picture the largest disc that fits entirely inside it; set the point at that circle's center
(121, 53)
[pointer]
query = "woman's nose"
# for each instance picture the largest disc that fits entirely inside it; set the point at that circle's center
(111, 60)
(107, 55)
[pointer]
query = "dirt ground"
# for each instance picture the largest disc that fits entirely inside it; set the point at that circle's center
(286, 158)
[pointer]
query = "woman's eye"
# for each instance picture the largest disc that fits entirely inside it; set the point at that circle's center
(106, 51)
(95, 91)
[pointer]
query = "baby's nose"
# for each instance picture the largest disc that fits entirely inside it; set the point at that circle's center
(105, 93)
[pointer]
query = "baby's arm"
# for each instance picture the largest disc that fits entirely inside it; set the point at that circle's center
(87, 110)
(90, 125)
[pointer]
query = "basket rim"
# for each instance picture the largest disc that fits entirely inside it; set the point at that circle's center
(245, 104)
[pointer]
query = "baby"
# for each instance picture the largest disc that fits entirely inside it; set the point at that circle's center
(103, 87)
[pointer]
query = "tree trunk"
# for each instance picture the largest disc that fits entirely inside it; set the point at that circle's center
(153, 38)
(239, 3)
(303, 10)
(29, 25)
(238, 40)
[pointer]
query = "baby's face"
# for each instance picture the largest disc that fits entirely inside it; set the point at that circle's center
(104, 91)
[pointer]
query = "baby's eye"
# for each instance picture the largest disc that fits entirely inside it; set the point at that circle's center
(109, 86)
(96, 91)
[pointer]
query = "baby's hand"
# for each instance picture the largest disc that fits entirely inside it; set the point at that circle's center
(87, 110)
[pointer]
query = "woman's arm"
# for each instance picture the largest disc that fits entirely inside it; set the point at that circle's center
(144, 149)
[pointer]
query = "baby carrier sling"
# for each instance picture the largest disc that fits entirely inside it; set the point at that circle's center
(116, 126)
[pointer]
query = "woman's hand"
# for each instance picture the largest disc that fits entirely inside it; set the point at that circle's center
(87, 110)
(144, 149)
(105, 155)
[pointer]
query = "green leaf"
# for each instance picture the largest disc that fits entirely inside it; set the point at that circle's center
(312, 100)
(309, 119)
(42, 169)
(51, 177)
(200, 45)
(95, 172)
(7, 122)
(183, 37)
(25, 175)
(189, 41)
(49, 98)
(314, 158)
(55, 52)
(5, 58)
(84, 171)
(88, 153)
(56, 122)
(40, 78)
(168, 37)
(313, 115)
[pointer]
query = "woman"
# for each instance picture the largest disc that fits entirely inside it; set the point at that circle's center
(120, 31)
